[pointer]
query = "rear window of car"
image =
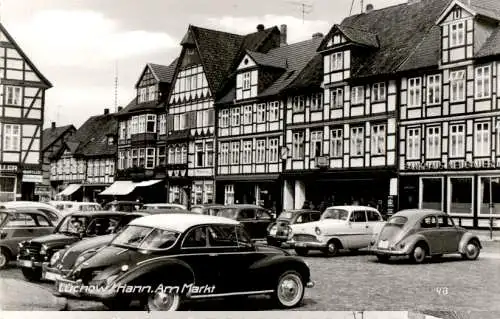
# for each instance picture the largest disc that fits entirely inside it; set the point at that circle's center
(228, 213)
(397, 220)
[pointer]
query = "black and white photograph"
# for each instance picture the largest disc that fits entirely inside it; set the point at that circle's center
(307, 158)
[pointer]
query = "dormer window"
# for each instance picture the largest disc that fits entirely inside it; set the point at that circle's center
(143, 95)
(151, 93)
(336, 61)
(336, 39)
(246, 81)
(457, 34)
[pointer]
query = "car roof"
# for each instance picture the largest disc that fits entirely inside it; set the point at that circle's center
(180, 222)
(207, 205)
(22, 210)
(243, 206)
(352, 207)
(98, 213)
(124, 202)
(418, 213)
(163, 211)
(297, 211)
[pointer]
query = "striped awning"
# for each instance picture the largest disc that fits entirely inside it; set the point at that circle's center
(147, 183)
(119, 188)
(70, 189)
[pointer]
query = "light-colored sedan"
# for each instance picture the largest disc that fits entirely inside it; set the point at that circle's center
(53, 213)
(421, 233)
(340, 227)
(164, 206)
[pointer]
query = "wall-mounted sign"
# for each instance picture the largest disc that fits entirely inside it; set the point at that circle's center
(8, 168)
(202, 172)
(322, 161)
(451, 165)
(32, 176)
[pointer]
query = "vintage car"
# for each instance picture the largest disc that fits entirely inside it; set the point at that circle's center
(206, 209)
(277, 233)
(53, 213)
(340, 227)
(17, 225)
(254, 218)
(174, 257)
(123, 206)
(164, 205)
(65, 259)
(74, 227)
(421, 233)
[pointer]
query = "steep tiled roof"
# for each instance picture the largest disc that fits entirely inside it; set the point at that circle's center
(310, 77)
(487, 8)
(363, 37)
(404, 30)
(52, 134)
(269, 59)
(164, 73)
(491, 46)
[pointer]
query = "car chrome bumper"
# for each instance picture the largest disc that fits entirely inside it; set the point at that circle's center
(307, 244)
(387, 252)
(27, 263)
(51, 273)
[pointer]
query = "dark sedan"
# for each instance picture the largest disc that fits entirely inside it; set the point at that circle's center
(254, 218)
(277, 233)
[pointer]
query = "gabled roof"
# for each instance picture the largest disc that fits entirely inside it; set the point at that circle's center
(25, 57)
(485, 8)
(269, 60)
(52, 134)
(162, 73)
(354, 35)
(492, 45)
(406, 29)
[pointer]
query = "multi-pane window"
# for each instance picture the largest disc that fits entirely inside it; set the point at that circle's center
(457, 86)
(235, 117)
(274, 111)
(482, 145)
(336, 61)
(135, 157)
(357, 141)
(162, 156)
(261, 151)
(247, 114)
(246, 80)
(123, 130)
(483, 82)
(163, 124)
(152, 93)
(198, 194)
(208, 195)
(273, 150)
(151, 124)
(224, 154)
(414, 92)
(199, 154)
(378, 92)
(316, 143)
(413, 144)
(298, 103)
(336, 143)
(235, 153)
(224, 118)
(433, 142)
(261, 113)
(457, 34)
(142, 157)
(434, 89)
(178, 155)
(457, 140)
(378, 139)
(12, 137)
(337, 98)
(150, 157)
(13, 95)
(143, 92)
(184, 154)
(357, 95)
(316, 102)
(171, 156)
(298, 145)
(209, 151)
(247, 152)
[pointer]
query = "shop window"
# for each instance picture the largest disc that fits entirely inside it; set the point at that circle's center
(7, 188)
(460, 195)
(229, 194)
(208, 194)
(432, 193)
(489, 195)
(174, 194)
(198, 194)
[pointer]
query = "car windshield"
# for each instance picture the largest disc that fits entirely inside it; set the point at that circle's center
(145, 238)
(73, 225)
(285, 216)
(333, 213)
(228, 213)
(197, 210)
(397, 220)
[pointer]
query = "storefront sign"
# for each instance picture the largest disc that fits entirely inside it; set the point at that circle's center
(32, 176)
(322, 161)
(203, 172)
(8, 168)
(451, 165)
(42, 190)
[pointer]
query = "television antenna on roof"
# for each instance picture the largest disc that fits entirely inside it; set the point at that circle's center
(306, 8)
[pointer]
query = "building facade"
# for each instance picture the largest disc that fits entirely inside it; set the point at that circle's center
(22, 102)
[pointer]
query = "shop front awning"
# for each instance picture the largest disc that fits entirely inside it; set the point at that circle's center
(70, 189)
(147, 183)
(119, 188)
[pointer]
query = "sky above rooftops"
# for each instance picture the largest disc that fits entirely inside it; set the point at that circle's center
(78, 45)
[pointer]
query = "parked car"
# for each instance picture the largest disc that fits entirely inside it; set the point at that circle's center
(53, 213)
(72, 228)
(421, 233)
(193, 257)
(206, 209)
(277, 233)
(123, 206)
(255, 218)
(61, 205)
(164, 205)
(17, 225)
(340, 227)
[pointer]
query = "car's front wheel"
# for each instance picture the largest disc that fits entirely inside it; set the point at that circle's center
(32, 274)
(289, 290)
(471, 250)
(4, 258)
(331, 249)
(163, 300)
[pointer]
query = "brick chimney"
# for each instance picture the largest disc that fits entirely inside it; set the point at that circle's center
(260, 27)
(369, 8)
(317, 35)
(120, 108)
(53, 124)
(106, 111)
(283, 35)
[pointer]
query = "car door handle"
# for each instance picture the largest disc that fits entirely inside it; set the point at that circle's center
(212, 255)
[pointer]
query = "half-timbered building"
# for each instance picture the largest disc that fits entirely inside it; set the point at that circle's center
(85, 164)
(142, 152)
(449, 115)
(251, 122)
(207, 59)
(53, 139)
(22, 99)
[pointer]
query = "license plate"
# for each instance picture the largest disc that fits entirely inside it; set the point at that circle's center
(384, 244)
(51, 276)
(25, 263)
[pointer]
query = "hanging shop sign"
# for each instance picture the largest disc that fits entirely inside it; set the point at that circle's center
(451, 165)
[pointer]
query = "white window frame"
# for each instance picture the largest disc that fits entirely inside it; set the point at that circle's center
(143, 95)
(337, 143)
(274, 111)
(161, 156)
(273, 146)
(14, 95)
(379, 92)
(482, 139)
(246, 80)
(224, 118)
(228, 194)
(357, 95)
(171, 155)
(12, 137)
(337, 61)
(433, 142)
(482, 82)
(184, 155)
(183, 121)
(298, 148)
(260, 153)
(357, 141)
(457, 34)
(316, 143)
(151, 93)
(449, 194)
(150, 118)
(235, 116)
(142, 124)
(235, 153)
(178, 155)
(247, 152)
(316, 102)
(459, 135)
(199, 151)
(415, 92)
(298, 103)
(378, 139)
(163, 124)
(261, 113)
(247, 114)
(209, 154)
(457, 86)
(224, 154)
(150, 157)
(337, 98)
(434, 89)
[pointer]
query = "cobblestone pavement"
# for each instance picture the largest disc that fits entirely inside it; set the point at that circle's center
(359, 281)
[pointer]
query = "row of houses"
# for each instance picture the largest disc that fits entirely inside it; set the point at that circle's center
(398, 114)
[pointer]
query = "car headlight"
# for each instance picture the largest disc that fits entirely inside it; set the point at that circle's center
(55, 258)
(20, 245)
(317, 230)
(44, 249)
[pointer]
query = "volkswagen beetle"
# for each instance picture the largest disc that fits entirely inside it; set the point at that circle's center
(421, 233)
